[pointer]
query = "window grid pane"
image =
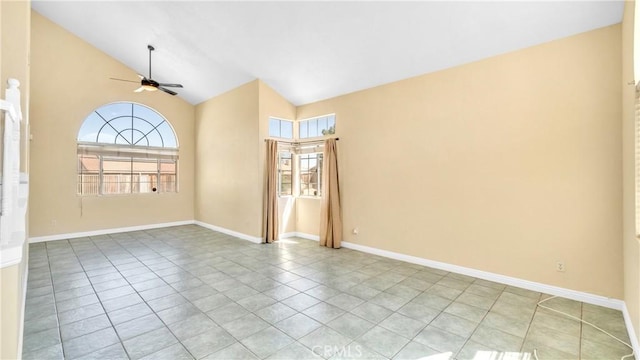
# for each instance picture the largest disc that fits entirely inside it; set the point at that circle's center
(168, 176)
(286, 128)
(280, 128)
(311, 175)
(274, 127)
(116, 175)
(285, 183)
(88, 175)
(313, 127)
(144, 176)
(318, 126)
(127, 125)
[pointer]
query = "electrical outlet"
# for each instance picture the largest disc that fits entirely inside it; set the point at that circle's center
(54, 223)
(560, 266)
(355, 231)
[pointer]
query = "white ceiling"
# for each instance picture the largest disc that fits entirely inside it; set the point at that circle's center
(309, 51)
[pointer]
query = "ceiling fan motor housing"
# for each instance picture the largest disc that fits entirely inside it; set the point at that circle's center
(149, 82)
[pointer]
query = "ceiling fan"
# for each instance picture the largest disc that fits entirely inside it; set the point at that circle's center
(148, 84)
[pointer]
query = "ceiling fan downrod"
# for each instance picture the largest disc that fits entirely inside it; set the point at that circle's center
(151, 48)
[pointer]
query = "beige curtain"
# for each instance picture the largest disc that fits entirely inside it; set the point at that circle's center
(270, 213)
(330, 211)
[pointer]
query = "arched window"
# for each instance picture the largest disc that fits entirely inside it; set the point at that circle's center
(126, 148)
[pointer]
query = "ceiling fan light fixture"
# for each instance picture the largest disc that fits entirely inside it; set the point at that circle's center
(148, 84)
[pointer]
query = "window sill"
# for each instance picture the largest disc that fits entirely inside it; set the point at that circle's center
(125, 195)
(11, 253)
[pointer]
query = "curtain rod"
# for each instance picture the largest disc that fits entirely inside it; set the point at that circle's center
(303, 142)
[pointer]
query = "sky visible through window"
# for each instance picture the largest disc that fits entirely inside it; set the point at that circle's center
(127, 124)
(280, 128)
(319, 126)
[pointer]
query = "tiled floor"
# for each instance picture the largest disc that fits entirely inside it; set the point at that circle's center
(187, 292)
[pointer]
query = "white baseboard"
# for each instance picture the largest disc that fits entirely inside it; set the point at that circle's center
(503, 279)
(253, 239)
(630, 330)
(107, 231)
(611, 303)
(300, 235)
(144, 227)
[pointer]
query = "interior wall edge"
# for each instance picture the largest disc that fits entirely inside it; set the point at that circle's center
(300, 235)
(253, 239)
(585, 297)
(22, 311)
(581, 296)
(75, 235)
(630, 329)
(588, 298)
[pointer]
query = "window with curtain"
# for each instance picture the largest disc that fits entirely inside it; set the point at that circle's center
(285, 174)
(310, 174)
(126, 148)
(300, 160)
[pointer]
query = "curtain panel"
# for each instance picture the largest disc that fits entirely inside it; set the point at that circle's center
(330, 211)
(270, 212)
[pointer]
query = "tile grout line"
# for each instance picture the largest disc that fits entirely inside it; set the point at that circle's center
(55, 303)
(187, 300)
(526, 334)
(427, 323)
(315, 286)
(480, 322)
(141, 297)
(125, 278)
(106, 314)
(169, 252)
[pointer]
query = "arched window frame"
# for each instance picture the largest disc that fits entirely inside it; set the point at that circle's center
(123, 166)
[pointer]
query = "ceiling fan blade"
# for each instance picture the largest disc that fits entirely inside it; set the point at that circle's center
(125, 80)
(170, 85)
(167, 91)
(140, 89)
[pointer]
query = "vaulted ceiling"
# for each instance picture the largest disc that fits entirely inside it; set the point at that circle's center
(309, 51)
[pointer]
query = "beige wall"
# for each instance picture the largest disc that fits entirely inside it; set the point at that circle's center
(308, 215)
(73, 80)
(230, 158)
(273, 104)
(287, 207)
(505, 165)
(15, 19)
(16, 23)
(10, 311)
(229, 182)
(630, 243)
